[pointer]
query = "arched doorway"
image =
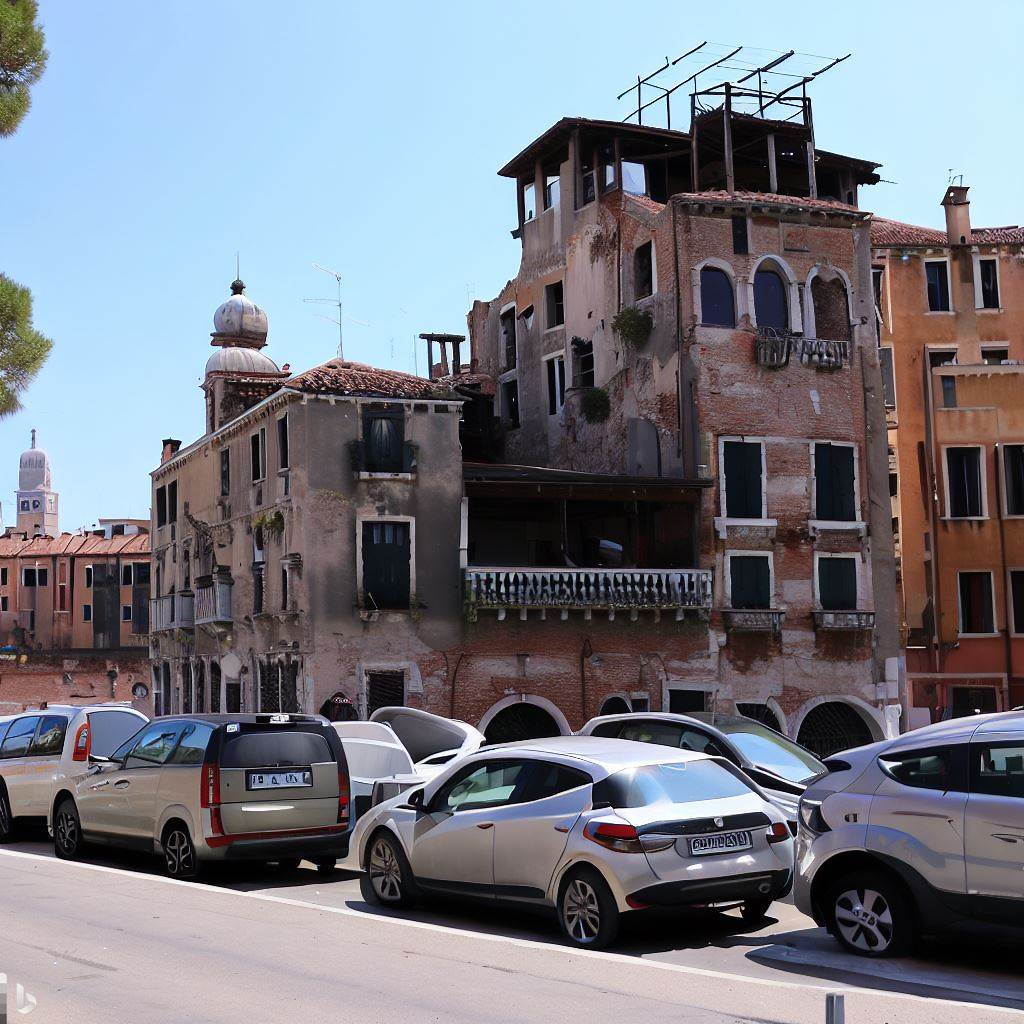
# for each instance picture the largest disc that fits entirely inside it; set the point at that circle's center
(833, 726)
(615, 706)
(761, 713)
(520, 721)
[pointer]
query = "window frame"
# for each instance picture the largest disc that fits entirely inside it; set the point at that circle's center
(723, 507)
(958, 774)
(728, 556)
(723, 268)
(820, 556)
(258, 452)
(505, 311)
(637, 297)
(556, 400)
(551, 305)
(511, 377)
(979, 292)
(842, 524)
(1016, 628)
(945, 260)
(435, 802)
(283, 443)
(1001, 470)
(983, 473)
(960, 632)
(87, 612)
(410, 522)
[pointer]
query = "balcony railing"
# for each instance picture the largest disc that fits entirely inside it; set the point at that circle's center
(844, 620)
(172, 611)
(587, 590)
(213, 601)
(823, 355)
(753, 620)
(773, 348)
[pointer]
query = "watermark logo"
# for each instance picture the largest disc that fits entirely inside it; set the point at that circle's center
(14, 998)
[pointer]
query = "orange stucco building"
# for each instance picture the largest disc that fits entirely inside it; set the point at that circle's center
(951, 329)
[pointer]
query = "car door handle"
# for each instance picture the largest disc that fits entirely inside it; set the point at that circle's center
(100, 785)
(485, 824)
(123, 784)
(562, 828)
(1007, 838)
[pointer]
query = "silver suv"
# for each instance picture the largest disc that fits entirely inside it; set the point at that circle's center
(215, 787)
(40, 750)
(920, 834)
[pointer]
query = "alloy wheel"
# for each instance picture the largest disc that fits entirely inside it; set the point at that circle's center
(179, 853)
(5, 816)
(385, 872)
(864, 919)
(581, 911)
(67, 830)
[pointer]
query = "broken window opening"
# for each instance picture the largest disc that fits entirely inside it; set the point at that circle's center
(743, 467)
(771, 301)
(510, 403)
(554, 300)
(976, 612)
(643, 270)
(583, 363)
(963, 478)
(941, 357)
(837, 583)
(552, 191)
(529, 201)
(507, 329)
(384, 439)
(556, 384)
(989, 271)
(717, 299)
(834, 490)
(386, 564)
(740, 239)
(750, 581)
(384, 690)
(937, 276)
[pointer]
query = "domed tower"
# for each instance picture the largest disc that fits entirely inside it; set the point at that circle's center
(238, 374)
(37, 503)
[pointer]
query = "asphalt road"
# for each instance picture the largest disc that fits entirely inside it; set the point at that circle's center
(114, 941)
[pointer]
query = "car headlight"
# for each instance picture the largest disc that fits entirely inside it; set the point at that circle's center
(811, 817)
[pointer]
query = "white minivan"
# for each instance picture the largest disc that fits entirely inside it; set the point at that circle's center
(39, 749)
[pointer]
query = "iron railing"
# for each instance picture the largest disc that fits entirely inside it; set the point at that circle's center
(213, 601)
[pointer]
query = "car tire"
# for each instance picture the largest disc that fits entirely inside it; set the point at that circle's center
(180, 860)
(7, 824)
(326, 868)
(869, 915)
(388, 880)
(67, 830)
(587, 912)
(754, 911)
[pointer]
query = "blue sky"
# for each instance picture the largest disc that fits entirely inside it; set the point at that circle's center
(163, 138)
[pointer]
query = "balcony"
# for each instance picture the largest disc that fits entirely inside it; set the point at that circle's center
(823, 355)
(773, 348)
(753, 620)
(587, 590)
(844, 621)
(213, 600)
(172, 611)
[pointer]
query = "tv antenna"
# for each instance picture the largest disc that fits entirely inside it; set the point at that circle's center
(332, 302)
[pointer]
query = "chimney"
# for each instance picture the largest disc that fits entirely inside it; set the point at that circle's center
(958, 214)
(171, 447)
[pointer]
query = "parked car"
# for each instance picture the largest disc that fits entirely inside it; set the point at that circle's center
(40, 750)
(199, 788)
(593, 828)
(779, 766)
(920, 834)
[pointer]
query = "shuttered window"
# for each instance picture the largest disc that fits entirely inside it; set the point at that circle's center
(743, 479)
(386, 551)
(963, 477)
(837, 584)
(833, 483)
(749, 581)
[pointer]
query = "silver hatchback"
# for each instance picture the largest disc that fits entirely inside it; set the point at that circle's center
(593, 828)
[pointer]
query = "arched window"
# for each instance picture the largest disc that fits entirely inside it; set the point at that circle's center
(717, 302)
(771, 300)
(831, 727)
(831, 309)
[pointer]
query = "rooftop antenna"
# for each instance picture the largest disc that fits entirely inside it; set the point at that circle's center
(332, 302)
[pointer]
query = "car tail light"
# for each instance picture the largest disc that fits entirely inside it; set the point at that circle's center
(811, 819)
(83, 743)
(779, 832)
(209, 796)
(343, 797)
(619, 836)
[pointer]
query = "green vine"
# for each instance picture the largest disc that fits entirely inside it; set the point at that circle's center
(596, 405)
(271, 523)
(633, 325)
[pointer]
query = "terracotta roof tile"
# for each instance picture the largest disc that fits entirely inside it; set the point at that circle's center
(742, 198)
(345, 378)
(15, 546)
(885, 233)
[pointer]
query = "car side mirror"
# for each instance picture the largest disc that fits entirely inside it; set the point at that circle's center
(416, 799)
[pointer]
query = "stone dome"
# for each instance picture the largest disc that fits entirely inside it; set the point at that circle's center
(234, 359)
(34, 469)
(240, 317)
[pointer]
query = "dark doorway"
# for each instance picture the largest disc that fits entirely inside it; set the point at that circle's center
(615, 706)
(521, 721)
(973, 700)
(682, 701)
(384, 690)
(833, 726)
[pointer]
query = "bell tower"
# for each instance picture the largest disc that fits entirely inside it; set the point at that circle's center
(37, 501)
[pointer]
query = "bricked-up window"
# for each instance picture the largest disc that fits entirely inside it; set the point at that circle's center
(258, 455)
(743, 465)
(837, 583)
(977, 614)
(717, 299)
(834, 497)
(831, 309)
(1013, 478)
(386, 565)
(556, 384)
(989, 272)
(750, 581)
(555, 304)
(225, 472)
(384, 439)
(510, 403)
(507, 329)
(964, 483)
(643, 270)
(283, 457)
(1017, 599)
(771, 302)
(740, 241)
(937, 276)
(583, 363)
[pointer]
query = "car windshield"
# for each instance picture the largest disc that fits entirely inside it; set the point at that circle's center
(681, 783)
(769, 750)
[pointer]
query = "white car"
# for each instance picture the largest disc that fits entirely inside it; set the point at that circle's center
(41, 749)
(592, 828)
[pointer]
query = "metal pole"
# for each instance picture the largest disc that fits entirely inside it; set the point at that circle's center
(835, 1008)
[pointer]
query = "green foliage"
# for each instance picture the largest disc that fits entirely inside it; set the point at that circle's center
(23, 350)
(22, 60)
(633, 325)
(271, 523)
(596, 404)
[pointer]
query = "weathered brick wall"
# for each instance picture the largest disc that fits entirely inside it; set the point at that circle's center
(74, 680)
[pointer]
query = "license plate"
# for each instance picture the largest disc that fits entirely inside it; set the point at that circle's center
(278, 780)
(722, 842)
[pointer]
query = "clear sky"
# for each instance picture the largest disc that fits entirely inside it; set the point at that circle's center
(165, 137)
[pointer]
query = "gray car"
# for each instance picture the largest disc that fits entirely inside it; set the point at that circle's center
(921, 834)
(591, 828)
(214, 787)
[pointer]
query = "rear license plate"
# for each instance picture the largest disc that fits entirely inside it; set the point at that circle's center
(723, 842)
(278, 780)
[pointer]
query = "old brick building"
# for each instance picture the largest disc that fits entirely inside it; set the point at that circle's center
(74, 612)
(951, 314)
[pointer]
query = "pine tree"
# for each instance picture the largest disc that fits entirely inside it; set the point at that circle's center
(23, 350)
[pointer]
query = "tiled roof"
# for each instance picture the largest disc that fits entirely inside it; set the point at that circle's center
(348, 379)
(482, 382)
(16, 546)
(768, 199)
(886, 233)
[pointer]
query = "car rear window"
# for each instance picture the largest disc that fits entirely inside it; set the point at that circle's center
(111, 728)
(274, 749)
(681, 783)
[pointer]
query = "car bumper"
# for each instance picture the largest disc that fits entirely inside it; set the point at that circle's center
(307, 847)
(758, 885)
